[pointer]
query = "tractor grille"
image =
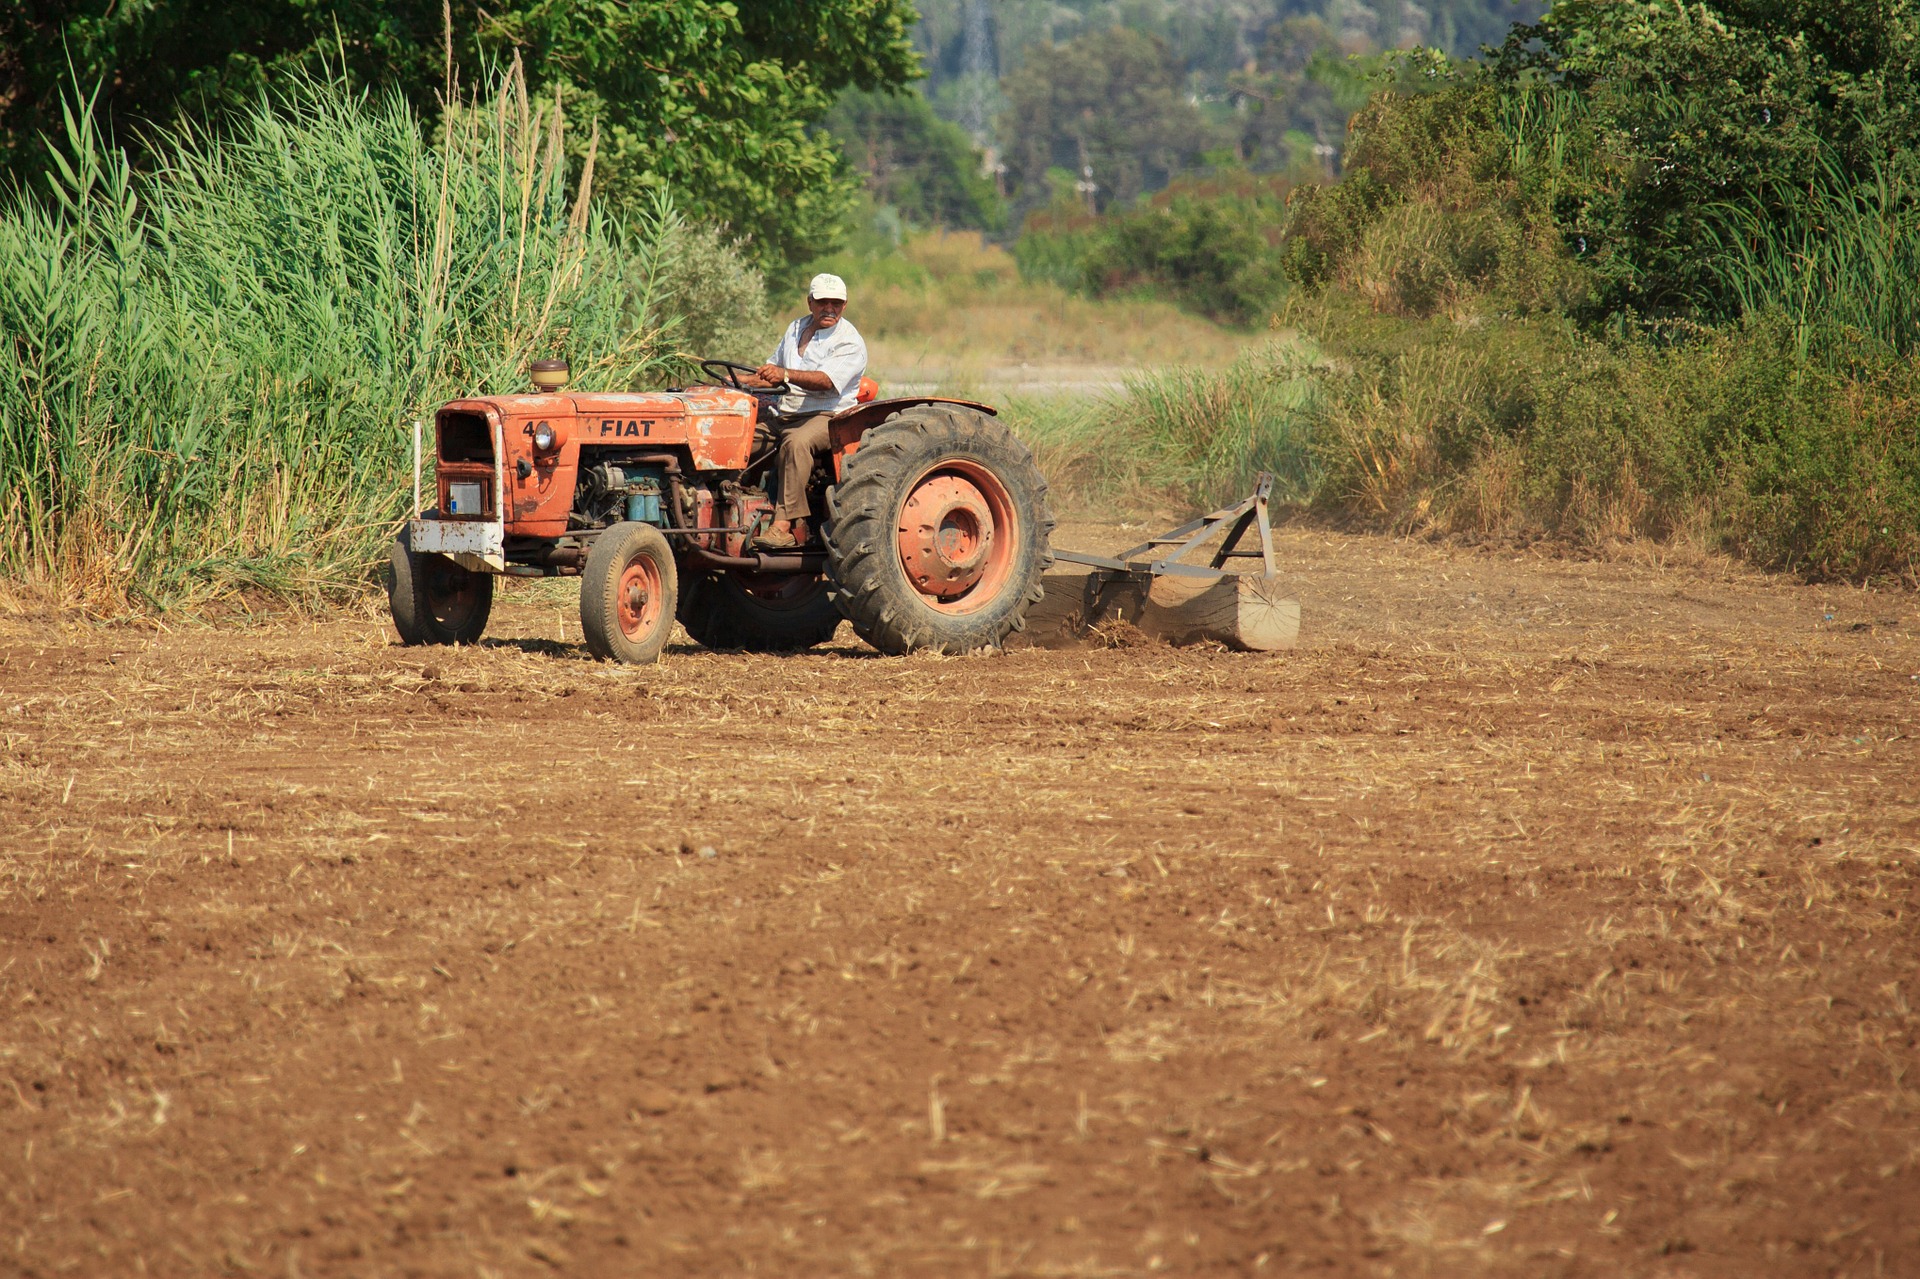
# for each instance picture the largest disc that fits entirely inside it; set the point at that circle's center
(465, 437)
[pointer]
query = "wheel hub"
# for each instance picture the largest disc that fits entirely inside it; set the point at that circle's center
(946, 535)
(639, 596)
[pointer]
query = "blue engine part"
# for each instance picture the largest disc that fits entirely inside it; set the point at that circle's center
(643, 496)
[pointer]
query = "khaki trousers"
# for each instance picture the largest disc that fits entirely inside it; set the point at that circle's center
(802, 445)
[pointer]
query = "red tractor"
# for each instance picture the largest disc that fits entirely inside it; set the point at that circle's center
(935, 536)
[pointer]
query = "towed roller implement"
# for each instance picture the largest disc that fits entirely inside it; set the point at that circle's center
(1150, 587)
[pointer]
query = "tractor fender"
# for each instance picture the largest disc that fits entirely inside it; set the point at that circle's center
(846, 428)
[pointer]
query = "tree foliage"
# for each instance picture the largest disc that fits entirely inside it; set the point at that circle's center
(1112, 102)
(708, 96)
(1671, 115)
(910, 159)
(1214, 39)
(1210, 243)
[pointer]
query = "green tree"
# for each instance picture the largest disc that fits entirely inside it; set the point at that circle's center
(911, 159)
(1291, 99)
(711, 97)
(1684, 111)
(1213, 40)
(1113, 102)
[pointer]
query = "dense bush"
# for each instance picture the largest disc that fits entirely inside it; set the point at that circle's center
(712, 296)
(1513, 426)
(1435, 210)
(1654, 273)
(1054, 244)
(1671, 116)
(1215, 252)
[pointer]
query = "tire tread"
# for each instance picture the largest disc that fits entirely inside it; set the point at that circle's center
(870, 587)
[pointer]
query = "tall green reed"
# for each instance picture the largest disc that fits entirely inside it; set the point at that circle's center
(1547, 129)
(1194, 437)
(1839, 258)
(208, 370)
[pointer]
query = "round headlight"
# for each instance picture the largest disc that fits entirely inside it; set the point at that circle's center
(544, 439)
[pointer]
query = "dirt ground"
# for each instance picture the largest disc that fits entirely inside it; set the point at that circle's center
(1536, 917)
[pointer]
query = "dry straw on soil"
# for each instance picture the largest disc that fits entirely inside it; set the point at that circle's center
(1535, 918)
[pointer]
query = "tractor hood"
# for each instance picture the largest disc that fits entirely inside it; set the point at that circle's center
(714, 425)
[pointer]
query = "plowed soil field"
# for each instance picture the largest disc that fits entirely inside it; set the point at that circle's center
(1536, 917)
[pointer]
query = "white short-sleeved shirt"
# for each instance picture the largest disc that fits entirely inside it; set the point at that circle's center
(839, 352)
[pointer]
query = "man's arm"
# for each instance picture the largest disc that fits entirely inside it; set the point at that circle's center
(806, 379)
(773, 373)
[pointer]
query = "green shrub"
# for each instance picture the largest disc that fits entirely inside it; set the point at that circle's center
(1681, 112)
(1210, 243)
(1495, 380)
(1438, 211)
(1327, 225)
(1205, 254)
(1184, 436)
(716, 295)
(1055, 243)
(1521, 426)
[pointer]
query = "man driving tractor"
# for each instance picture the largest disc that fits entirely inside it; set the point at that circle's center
(822, 358)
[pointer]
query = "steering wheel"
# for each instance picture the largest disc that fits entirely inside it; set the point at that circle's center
(729, 372)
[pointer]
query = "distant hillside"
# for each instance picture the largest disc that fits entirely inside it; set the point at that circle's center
(970, 44)
(1095, 103)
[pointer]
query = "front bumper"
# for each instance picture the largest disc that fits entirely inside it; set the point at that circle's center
(479, 545)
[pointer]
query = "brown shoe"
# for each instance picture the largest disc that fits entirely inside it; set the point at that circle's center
(776, 539)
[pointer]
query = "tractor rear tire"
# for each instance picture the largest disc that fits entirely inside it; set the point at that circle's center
(628, 590)
(786, 616)
(938, 532)
(433, 599)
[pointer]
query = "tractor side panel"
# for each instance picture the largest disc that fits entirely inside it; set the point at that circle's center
(713, 427)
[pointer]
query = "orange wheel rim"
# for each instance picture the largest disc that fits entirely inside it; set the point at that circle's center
(639, 597)
(957, 535)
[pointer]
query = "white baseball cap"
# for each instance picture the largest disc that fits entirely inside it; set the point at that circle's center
(827, 288)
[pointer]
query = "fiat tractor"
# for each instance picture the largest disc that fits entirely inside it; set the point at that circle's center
(935, 534)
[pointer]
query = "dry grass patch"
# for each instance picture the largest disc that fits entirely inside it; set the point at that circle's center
(952, 310)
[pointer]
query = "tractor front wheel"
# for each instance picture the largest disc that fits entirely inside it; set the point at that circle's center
(627, 594)
(434, 600)
(939, 532)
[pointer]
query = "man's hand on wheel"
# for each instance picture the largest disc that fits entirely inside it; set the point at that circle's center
(805, 379)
